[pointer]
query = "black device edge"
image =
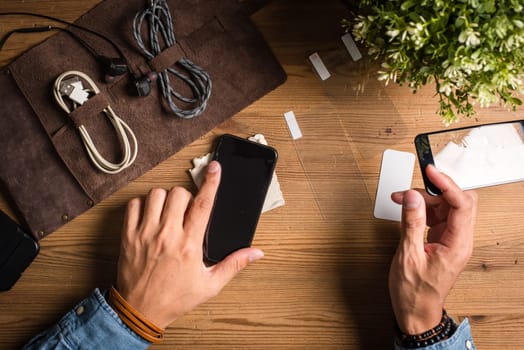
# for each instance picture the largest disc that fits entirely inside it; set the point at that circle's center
(425, 158)
(24, 249)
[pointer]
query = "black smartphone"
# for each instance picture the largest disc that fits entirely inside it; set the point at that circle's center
(17, 250)
(474, 157)
(247, 170)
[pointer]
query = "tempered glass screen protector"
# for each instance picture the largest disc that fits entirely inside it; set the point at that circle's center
(366, 111)
(247, 169)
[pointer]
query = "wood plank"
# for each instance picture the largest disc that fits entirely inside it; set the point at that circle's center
(323, 282)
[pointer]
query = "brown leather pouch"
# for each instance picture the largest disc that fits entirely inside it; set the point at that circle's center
(43, 163)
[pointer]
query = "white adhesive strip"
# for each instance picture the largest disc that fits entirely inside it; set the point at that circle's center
(319, 66)
(351, 47)
(396, 173)
(292, 124)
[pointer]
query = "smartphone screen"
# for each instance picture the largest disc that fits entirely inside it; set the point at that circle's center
(247, 169)
(474, 157)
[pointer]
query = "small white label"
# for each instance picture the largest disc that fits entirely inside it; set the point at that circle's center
(292, 124)
(351, 47)
(396, 173)
(319, 66)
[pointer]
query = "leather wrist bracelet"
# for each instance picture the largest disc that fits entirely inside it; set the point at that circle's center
(445, 329)
(134, 319)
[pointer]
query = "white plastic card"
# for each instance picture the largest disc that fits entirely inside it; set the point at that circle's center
(396, 174)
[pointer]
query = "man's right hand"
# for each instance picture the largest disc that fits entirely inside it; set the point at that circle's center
(424, 271)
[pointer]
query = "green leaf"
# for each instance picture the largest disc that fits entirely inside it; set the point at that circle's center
(488, 6)
(406, 5)
(435, 44)
(459, 22)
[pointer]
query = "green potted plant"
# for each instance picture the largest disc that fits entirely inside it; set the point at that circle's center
(472, 50)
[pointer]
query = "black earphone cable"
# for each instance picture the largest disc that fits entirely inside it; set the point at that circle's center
(23, 30)
(59, 20)
(161, 25)
(47, 29)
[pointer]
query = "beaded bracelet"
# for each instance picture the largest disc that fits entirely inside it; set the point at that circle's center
(440, 332)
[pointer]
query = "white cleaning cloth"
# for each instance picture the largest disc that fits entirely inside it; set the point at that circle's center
(274, 197)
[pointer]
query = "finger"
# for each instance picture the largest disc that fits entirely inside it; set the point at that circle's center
(435, 213)
(132, 217)
(461, 221)
(398, 197)
(198, 215)
(413, 221)
(153, 207)
(176, 205)
(224, 271)
(450, 191)
(436, 232)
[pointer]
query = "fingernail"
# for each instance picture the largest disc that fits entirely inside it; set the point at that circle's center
(398, 193)
(213, 167)
(256, 255)
(412, 200)
(434, 168)
(398, 197)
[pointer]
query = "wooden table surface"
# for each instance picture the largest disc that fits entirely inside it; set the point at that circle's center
(323, 282)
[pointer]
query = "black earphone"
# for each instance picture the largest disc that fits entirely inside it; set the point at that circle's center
(143, 84)
(111, 66)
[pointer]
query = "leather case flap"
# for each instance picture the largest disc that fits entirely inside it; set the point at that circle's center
(47, 170)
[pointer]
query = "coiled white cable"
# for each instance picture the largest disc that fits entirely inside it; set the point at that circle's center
(125, 135)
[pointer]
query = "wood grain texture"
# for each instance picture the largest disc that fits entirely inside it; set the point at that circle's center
(323, 282)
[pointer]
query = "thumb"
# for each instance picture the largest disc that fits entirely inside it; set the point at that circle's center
(413, 220)
(235, 262)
